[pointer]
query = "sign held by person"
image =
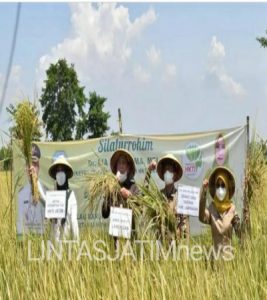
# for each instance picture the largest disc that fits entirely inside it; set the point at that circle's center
(55, 207)
(188, 200)
(120, 224)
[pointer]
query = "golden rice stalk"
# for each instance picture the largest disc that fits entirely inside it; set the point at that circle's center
(155, 208)
(150, 204)
(256, 168)
(102, 185)
(26, 124)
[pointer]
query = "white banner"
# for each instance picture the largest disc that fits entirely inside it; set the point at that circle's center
(198, 153)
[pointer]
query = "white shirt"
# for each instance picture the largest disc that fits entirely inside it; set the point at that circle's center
(70, 229)
(30, 216)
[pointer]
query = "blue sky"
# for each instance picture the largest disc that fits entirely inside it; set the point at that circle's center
(171, 68)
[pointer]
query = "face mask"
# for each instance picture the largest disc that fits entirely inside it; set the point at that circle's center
(220, 193)
(121, 176)
(61, 178)
(168, 177)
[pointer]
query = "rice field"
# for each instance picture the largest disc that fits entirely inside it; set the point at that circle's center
(133, 276)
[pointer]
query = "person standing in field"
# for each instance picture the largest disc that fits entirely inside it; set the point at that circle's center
(31, 212)
(221, 214)
(66, 228)
(170, 171)
(123, 167)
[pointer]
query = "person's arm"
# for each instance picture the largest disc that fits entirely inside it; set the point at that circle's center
(227, 219)
(152, 166)
(74, 220)
(127, 193)
(106, 207)
(204, 214)
(134, 190)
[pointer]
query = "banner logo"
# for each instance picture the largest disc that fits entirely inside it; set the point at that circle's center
(193, 163)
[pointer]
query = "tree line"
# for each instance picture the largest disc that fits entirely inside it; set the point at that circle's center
(66, 113)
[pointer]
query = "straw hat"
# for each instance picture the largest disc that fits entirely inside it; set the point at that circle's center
(213, 176)
(61, 160)
(178, 167)
(114, 159)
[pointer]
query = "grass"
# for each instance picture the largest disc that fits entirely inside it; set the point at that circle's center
(245, 277)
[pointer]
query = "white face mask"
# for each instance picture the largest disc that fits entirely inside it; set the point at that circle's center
(121, 176)
(220, 193)
(61, 178)
(168, 177)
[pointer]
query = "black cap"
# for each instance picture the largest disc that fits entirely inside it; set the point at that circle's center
(36, 153)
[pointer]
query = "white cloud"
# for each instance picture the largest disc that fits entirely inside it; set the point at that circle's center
(141, 75)
(231, 86)
(217, 50)
(171, 70)
(216, 70)
(104, 45)
(142, 22)
(169, 73)
(101, 41)
(153, 55)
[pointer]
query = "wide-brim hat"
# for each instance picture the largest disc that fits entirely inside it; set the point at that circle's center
(213, 176)
(63, 162)
(114, 160)
(177, 167)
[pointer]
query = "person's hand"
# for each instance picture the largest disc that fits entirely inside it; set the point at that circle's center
(152, 166)
(31, 170)
(232, 209)
(125, 193)
(205, 183)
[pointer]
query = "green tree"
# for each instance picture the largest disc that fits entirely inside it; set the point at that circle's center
(62, 101)
(95, 122)
(115, 133)
(262, 41)
(11, 109)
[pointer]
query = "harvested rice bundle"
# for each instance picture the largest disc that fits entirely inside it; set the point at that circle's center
(105, 185)
(102, 185)
(156, 210)
(27, 124)
(150, 204)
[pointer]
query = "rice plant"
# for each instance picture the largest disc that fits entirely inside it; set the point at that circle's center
(156, 214)
(26, 126)
(150, 205)
(85, 277)
(102, 184)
